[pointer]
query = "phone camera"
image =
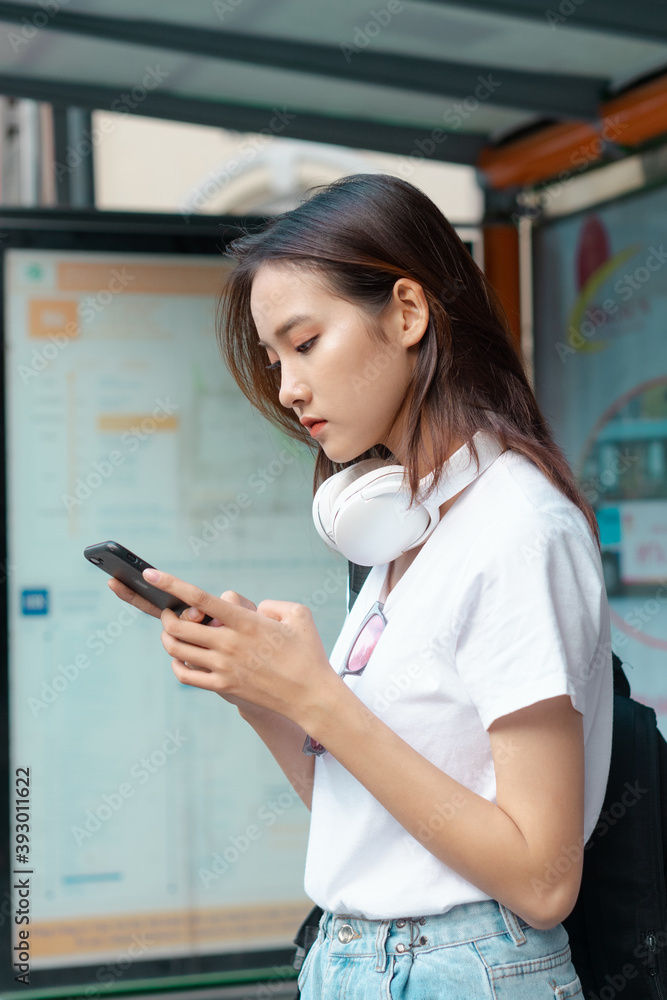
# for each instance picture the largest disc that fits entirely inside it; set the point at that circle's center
(131, 558)
(94, 559)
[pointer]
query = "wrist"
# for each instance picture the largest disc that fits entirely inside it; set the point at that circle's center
(254, 713)
(332, 703)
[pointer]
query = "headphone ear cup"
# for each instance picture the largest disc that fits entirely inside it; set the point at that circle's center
(326, 497)
(372, 525)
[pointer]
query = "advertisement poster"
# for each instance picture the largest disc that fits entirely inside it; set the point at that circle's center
(601, 381)
(158, 824)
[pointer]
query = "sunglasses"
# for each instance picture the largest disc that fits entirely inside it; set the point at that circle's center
(356, 659)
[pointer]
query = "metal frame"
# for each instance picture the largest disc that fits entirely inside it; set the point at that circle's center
(565, 94)
(611, 181)
(526, 296)
(646, 20)
(460, 147)
(75, 183)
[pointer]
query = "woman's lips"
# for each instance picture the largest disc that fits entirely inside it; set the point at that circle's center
(316, 428)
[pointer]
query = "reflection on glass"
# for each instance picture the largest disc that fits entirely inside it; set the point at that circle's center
(624, 477)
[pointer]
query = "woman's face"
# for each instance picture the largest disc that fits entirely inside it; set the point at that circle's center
(330, 367)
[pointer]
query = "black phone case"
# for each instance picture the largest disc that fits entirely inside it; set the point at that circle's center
(127, 567)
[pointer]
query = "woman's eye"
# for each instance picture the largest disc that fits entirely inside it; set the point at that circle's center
(303, 348)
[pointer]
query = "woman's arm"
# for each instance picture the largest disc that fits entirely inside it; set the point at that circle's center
(284, 739)
(511, 849)
(525, 851)
(282, 736)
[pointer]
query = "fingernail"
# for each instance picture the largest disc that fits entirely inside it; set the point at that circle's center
(193, 613)
(152, 575)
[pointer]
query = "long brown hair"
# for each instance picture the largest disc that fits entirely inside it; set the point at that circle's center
(360, 234)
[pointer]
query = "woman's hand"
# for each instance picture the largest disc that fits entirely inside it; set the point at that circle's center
(270, 656)
(130, 597)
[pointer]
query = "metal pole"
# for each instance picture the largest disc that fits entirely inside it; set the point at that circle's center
(526, 294)
(73, 151)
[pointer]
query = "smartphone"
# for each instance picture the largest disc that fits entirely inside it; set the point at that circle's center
(125, 566)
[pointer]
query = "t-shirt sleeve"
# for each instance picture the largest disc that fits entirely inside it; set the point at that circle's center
(530, 616)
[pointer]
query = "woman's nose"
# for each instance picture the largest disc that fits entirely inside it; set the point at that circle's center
(292, 389)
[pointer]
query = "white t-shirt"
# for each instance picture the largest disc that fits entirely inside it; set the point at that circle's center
(503, 606)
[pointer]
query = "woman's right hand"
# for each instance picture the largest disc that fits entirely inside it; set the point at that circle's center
(128, 595)
(137, 601)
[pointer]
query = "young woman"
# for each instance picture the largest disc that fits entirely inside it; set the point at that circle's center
(455, 746)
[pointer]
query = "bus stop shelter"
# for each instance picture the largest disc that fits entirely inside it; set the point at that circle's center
(561, 110)
(521, 91)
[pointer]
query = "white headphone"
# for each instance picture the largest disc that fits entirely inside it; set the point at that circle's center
(362, 511)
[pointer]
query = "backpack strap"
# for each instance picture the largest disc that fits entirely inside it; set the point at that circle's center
(356, 579)
(621, 683)
(306, 935)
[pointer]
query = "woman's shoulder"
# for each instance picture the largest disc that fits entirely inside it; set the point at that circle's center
(518, 489)
(515, 508)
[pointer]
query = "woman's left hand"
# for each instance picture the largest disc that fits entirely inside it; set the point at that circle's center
(272, 657)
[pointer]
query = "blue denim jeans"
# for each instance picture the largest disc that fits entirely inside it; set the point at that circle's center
(475, 951)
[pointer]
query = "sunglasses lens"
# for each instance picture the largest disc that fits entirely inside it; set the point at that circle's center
(365, 644)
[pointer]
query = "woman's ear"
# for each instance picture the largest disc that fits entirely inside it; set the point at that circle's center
(412, 311)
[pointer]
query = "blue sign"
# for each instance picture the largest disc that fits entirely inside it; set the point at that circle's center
(34, 602)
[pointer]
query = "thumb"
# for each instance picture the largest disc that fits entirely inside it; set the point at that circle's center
(242, 602)
(281, 611)
(233, 598)
(228, 595)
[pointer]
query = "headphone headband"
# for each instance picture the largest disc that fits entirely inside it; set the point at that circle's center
(363, 511)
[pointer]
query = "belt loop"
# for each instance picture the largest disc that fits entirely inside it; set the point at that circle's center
(514, 929)
(380, 942)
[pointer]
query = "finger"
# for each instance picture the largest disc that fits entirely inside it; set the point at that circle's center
(195, 597)
(187, 631)
(193, 677)
(280, 611)
(130, 597)
(194, 655)
(238, 599)
(194, 614)
(191, 615)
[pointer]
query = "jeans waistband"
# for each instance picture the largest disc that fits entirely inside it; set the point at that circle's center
(349, 934)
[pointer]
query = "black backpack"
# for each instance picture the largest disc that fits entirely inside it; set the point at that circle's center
(618, 927)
